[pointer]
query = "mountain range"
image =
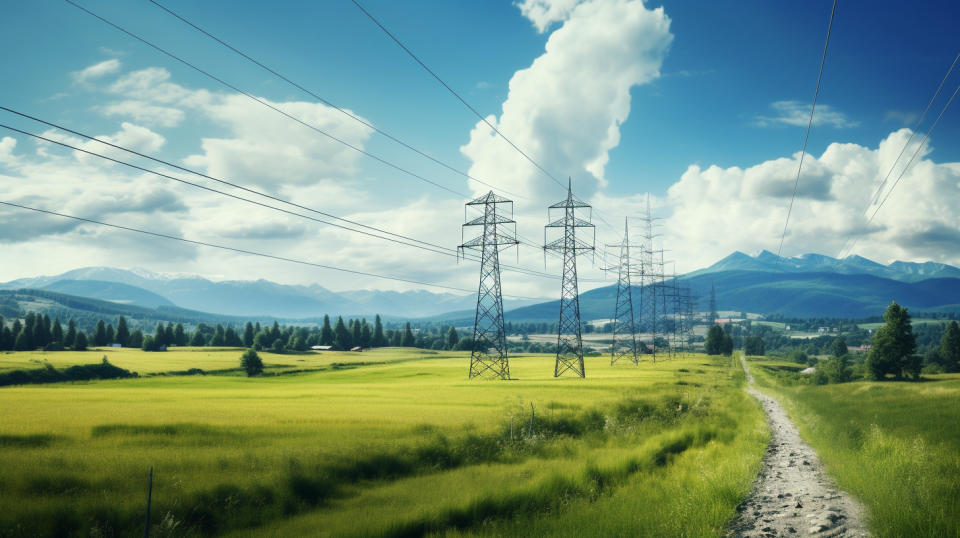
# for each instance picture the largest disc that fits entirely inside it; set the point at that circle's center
(811, 285)
(252, 298)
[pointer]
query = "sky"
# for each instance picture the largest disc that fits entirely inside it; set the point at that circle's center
(700, 108)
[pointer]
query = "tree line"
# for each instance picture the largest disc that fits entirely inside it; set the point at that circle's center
(38, 331)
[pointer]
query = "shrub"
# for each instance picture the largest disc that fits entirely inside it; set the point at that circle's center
(251, 363)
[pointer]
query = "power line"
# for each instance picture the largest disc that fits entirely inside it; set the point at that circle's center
(268, 105)
(875, 197)
(905, 168)
(200, 174)
(454, 92)
(803, 150)
(328, 103)
(244, 251)
(465, 103)
(442, 250)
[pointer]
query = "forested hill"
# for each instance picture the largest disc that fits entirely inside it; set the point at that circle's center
(789, 294)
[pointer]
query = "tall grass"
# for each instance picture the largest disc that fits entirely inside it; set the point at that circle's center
(894, 445)
(402, 445)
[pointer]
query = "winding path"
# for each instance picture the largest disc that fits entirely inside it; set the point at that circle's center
(792, 495)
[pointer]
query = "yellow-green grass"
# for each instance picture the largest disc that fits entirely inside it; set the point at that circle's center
(180, 359)
(402, 443)
(893, 445)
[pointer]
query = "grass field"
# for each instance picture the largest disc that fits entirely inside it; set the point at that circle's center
(893, 445)
(395, 442)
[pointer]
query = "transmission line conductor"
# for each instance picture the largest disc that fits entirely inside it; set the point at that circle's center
(488, 356)
(569, 337)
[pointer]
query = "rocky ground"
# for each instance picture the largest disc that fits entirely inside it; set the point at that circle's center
(793, 496)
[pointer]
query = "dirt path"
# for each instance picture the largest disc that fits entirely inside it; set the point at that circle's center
(793, 496)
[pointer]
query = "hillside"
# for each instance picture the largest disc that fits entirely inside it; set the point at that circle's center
(787, 294)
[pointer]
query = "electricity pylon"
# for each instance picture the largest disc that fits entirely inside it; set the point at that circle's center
(651, 276)
(488, 331)
(624, 326)
(569, 338)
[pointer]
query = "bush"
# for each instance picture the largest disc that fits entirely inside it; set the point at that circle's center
(251, 363)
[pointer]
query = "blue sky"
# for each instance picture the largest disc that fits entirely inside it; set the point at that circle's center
(709, 127)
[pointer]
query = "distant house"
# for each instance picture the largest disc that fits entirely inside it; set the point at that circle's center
(358, 349)
(321, 348)
(722, 321)
(115, 344)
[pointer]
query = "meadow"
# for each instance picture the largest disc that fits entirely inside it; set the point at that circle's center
(895, 445)
(394, 442)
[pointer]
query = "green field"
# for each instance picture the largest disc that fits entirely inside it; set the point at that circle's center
(895, 445)
(392, 442)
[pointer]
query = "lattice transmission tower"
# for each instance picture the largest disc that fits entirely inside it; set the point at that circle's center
(489, 354)
(651, 278)
(624, 346)
(569, 337)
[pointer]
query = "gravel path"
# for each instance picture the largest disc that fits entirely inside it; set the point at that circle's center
(793, 496)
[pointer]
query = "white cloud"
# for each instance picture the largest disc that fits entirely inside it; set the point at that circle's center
(715, 211)
(543, 13)
(96, 71)
(565, 110)
(797, 114)
(143, 112)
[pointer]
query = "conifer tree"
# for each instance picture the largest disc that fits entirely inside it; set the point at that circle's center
(408, 338)
(100, 336)
(326, 332)
(80, 344)
(179, 336)
(248, 335)
(111, 337)
(123, 332)
(71, 335)
(366, 337)
(452, 338)
(341, 336)
(56, 332)
(378, 339)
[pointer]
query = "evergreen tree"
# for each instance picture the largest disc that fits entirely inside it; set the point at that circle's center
(111, 337)
(378, 339)
(179, 336)
(56, 332)
(219, 338)
(261, 340)
(197, 340)
(278, 346)
(232, 339)
(149, 343)
(123, 332)
(355, 332)
(396, 338)
(80, 344)
(408, 339)
(159, 336)
(452, 338)
(45, 335)
(71, 335)
(168, 338)
(754, 346)
(341, 336)
(22, 342)
(100, 336)
(366, 338)
(298, 343)
(136, 339)
(6, 339)
(275, 331)
(248, 335)
(893, 345)
(326, 332)
(950, 347)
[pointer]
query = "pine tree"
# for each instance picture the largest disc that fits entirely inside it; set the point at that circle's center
(232, 339)
(136, 339)
(110, 334)
(326, 333)
(366, 338)
(100, 336)
(355, 332)
(197, 340)
(45, 336)
(219, 338)
(71, 335)
(408, 338)
(56, 333)
(168, 337)
(179, 336)
(378, 339)
(275, 331)
(714, 342)
(22, 343)
(341, 336)
(159, 335)
(123, 332)
(893, 345)
(248, 335)
(453, 337)
(80, 344)
(950, 347)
